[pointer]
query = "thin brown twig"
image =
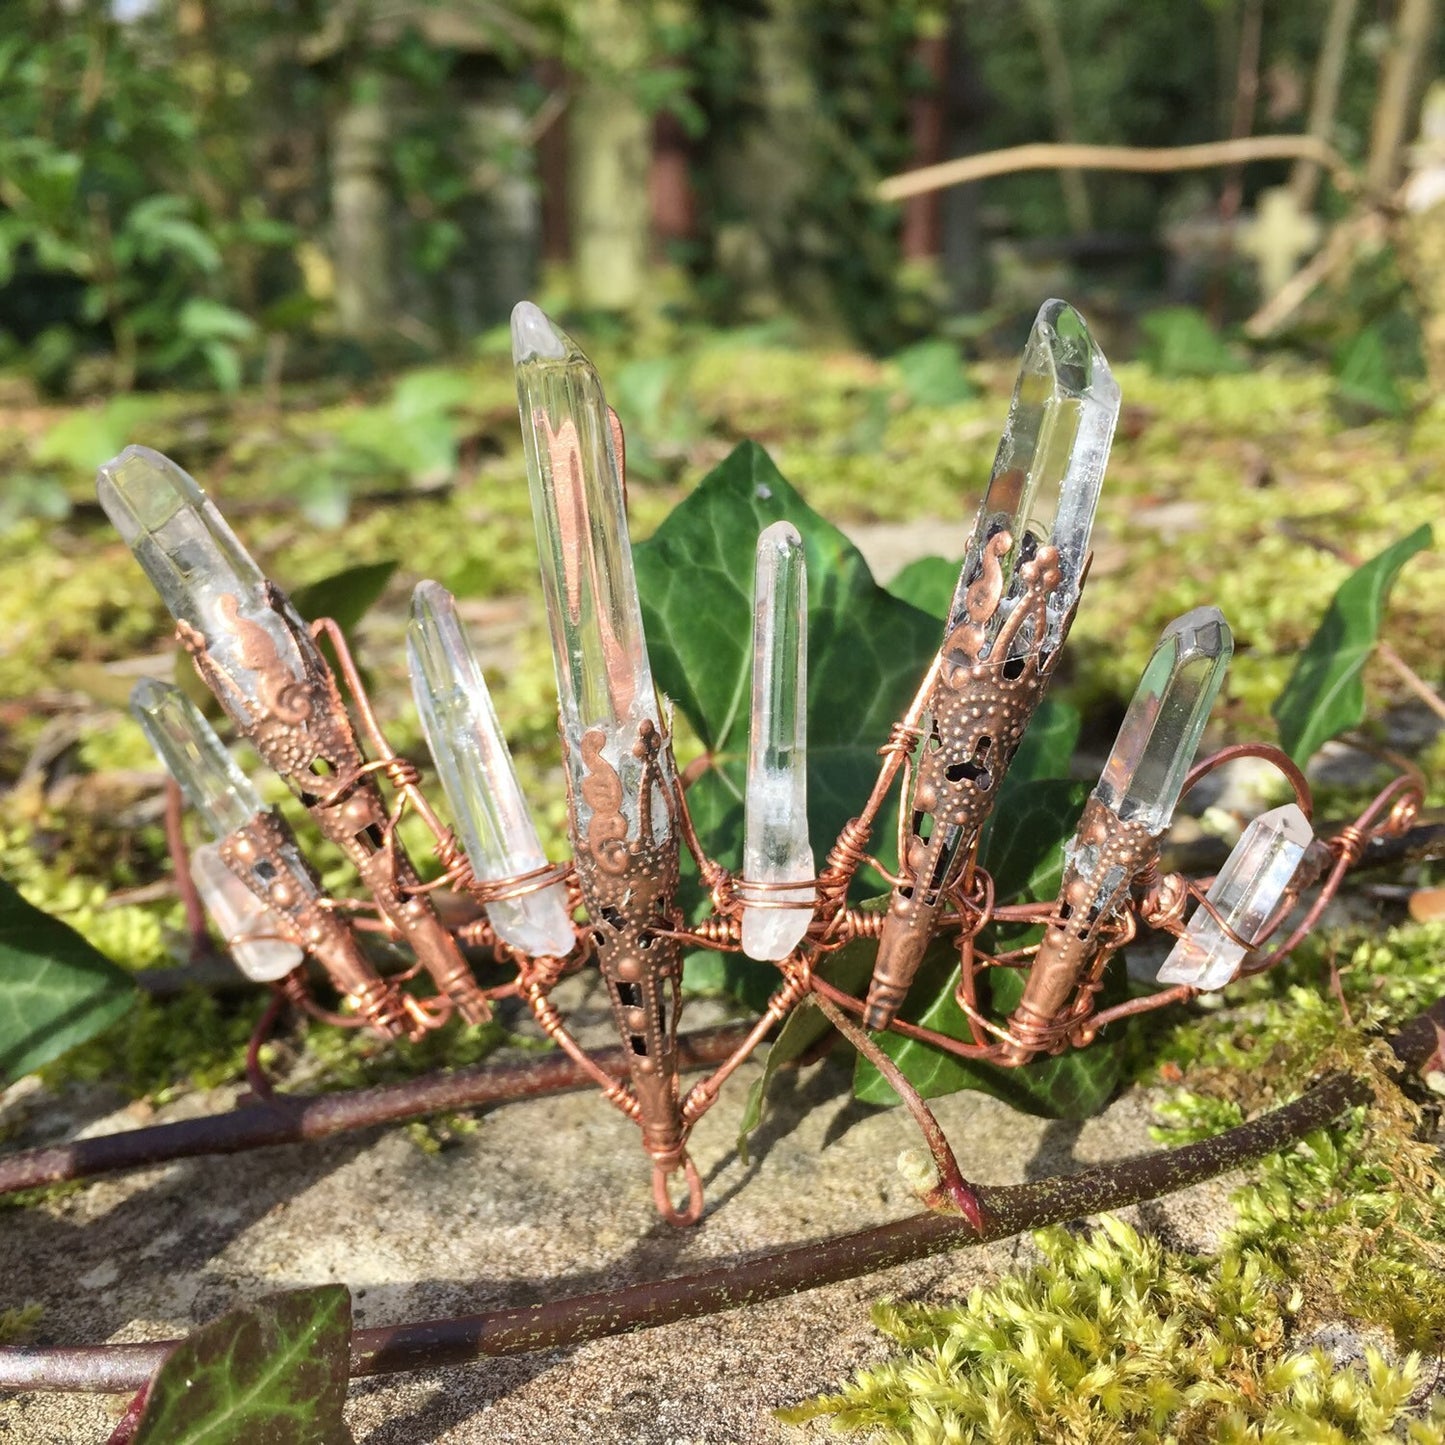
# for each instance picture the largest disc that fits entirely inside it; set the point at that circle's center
(295, 1118)
(1047, 155)
(954, 1187)
(1411, 679)
(197, 925)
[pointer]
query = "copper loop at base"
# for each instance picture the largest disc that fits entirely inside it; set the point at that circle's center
(662, 1196)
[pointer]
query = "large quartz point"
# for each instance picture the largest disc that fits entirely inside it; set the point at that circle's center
(1161, 731)
(243, 920)
(1048, 471)
(775, 834)
(476, 772)
(195, 757)
(1246, 895)
(205, 577)
(604, 679)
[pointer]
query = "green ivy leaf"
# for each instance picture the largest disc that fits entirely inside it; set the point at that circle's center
(1071, 1085)
(1046, 748)
(1325, 693)
(927, 584)
(933, 374)
(1365, 381)
(867, 651)
(1179, 341)
(1023, 841)
(346, 596)
(272, 1372)
(56, 991)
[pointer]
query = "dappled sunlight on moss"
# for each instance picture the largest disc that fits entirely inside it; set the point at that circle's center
(1114, 1337)
(1222, 489)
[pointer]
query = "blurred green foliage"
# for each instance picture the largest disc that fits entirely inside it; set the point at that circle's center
(165, 180)
(130, 215)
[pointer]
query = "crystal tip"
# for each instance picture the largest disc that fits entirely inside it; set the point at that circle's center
(780, 536)
(429, 596)
(136, 477)
(1075, 357)
(534, 337)
(1202, 632)
(1290, 822)
(150, 694)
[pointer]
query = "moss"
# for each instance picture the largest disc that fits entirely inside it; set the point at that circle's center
(164, 1047)
(1238, 489)
(1113, 1337)
(18, 1325)
(1354, 1213)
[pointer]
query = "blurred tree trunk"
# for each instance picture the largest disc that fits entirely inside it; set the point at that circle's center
(551, 153)
(609, 154)
(965, 267)
(1043, 20)
(503, 220)
(1325, 96)
(360, 216)
(1246, 96)
(674, 206)
(928, 120)
(1399, 87)
(765, 167)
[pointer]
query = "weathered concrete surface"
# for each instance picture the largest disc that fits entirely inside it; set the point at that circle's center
(546, 1198)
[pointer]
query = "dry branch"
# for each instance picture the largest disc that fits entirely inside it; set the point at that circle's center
(1047, 155)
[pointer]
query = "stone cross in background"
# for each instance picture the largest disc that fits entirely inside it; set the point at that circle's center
(1425, 187)
(1278, 238)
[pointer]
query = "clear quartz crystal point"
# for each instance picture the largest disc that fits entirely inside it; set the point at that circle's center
(205, 577)
(1166, 719)
(604, 679)
(775, 837)
(1246, 895)
(245, 923)
(222, 794)
(1049, 467)
(195, 757)
(477, 774)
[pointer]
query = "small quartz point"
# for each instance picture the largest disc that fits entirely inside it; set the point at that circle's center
(205, 577)
(245, 923)
(775, 837)
(477, 774)
(1161, 731)
(604, 679)
(195, 757)
(1246, 894)
(1049, 468)
(222, 794)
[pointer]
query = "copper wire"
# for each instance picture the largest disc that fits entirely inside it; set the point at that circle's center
(1270, 754)
(519, 885)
